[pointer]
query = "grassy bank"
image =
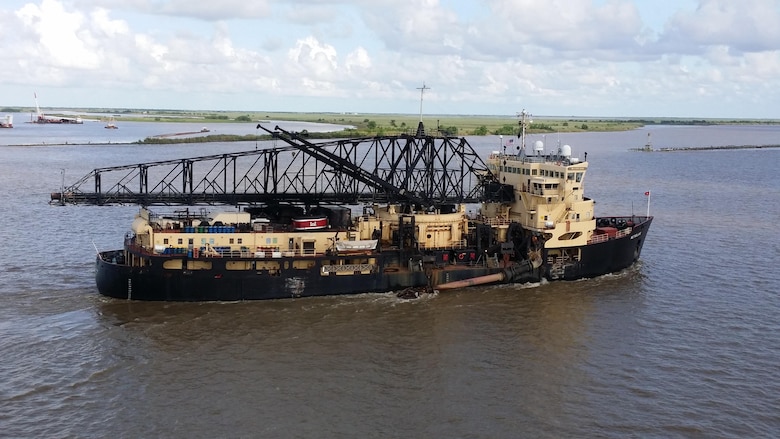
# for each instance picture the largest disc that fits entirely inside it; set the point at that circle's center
(370, 124)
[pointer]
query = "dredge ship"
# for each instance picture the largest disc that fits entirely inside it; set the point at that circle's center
(532, 222)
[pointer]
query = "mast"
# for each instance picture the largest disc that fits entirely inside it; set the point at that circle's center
(422, 90)
(525, 120)
(37, 108)
(420, 127)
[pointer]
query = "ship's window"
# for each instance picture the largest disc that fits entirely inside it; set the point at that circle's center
(238, 265)
(173, 264)
(231, 241)
(180, 241)
(533, 171)
(190, 241)
(165, 240)
(570, 235)
(579, 177)
(240, 240)
(199, 264)
(570, 176)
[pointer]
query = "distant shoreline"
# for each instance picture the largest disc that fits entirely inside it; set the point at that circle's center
(391, 124)
(703, 148)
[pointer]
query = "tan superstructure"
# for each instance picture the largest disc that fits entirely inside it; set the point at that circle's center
(549, 196)
(236, 234)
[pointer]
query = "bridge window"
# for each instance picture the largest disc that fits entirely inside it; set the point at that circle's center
(569, 236)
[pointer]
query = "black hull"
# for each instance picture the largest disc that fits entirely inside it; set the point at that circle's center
(218, 284)
(609, 256)
(153, 282)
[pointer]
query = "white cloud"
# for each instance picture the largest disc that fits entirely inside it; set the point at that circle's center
(358, 61)
(495, 56)
(746, 26)
(64, 40)
(314, 59)
(212, 10)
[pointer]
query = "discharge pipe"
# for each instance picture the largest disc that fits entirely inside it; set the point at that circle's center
(509, 274)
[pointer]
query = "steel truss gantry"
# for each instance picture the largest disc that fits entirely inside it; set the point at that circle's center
(421, 170)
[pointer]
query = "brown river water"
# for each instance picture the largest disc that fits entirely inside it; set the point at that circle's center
(684, 344)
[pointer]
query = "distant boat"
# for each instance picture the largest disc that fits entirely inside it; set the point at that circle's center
(111, 124)
(44, 119)
(7, 121)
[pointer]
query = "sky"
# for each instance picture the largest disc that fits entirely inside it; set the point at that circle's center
(600, 58)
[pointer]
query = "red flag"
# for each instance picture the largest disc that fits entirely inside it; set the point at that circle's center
(647, 194)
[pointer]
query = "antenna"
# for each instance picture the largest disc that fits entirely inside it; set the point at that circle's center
(422, 90)
(525, 119)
